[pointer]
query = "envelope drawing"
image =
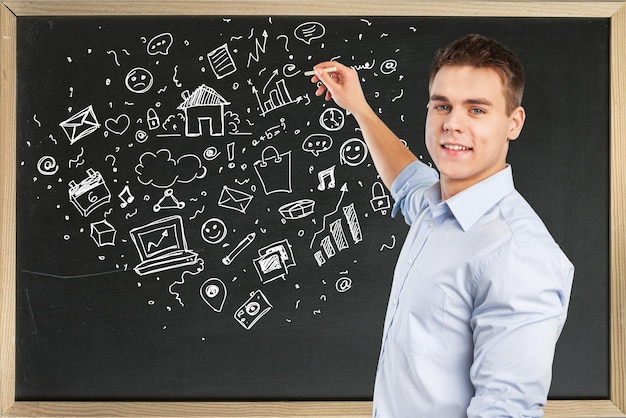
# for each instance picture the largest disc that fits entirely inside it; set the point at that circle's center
(234, 199)
(80, 124)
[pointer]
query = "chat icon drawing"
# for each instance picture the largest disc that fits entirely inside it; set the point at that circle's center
(308, 31)
(317, 143)
(160, 44)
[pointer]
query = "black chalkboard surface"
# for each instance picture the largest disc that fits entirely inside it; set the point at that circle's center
(194, 224)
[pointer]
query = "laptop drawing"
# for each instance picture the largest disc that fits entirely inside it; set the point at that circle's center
(162, 246)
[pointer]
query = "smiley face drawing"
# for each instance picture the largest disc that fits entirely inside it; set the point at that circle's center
(213, 231)
(139, 80)
(353, 152)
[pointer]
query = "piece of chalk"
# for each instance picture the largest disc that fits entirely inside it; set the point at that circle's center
(327, 70)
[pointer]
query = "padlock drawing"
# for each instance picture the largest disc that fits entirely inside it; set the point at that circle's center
(379, 201)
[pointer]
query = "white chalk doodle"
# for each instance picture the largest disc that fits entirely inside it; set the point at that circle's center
(204, 106)
(380, 200)
(210, 153)
(168, 201)
(80, 124)
(90, 193)
(286, 46)
(213, 292)
(339, 241)
(199, 267)
(243, 244)
(309, 31)
(214, 231)
(103, 233)
(274, 261)
(198, 211)
(388, 66)
(152, 119)
(259, 48)
(349, 212)
(344, 190)
(234, 199)
(298, 209)
(221, 61)
(118, 125)
(162, 171)
(47, 165)
(114, 57)
(162, 245)
(326, 179)
(343, 284)
(391, 246)
(141, 136)
(126, 197)
(160, 44)
(317, 143)
(277, 97)
(139, 80)
(353, 152)
(332, 119)
(253, 309)
(271, 132)
(274, 171)
(114, 159)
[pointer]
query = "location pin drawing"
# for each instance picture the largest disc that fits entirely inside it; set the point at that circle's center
(213, 291)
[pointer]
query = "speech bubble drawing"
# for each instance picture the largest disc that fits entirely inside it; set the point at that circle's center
(160, 44)
(317, 143)
(308, 31)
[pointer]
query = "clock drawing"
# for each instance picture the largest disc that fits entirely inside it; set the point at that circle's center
(332, 119)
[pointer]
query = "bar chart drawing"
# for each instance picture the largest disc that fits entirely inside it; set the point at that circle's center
(276, 98)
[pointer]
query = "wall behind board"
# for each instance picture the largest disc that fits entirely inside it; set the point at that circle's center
(194, 224)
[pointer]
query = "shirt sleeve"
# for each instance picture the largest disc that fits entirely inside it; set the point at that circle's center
(521, 303)
(408, 188)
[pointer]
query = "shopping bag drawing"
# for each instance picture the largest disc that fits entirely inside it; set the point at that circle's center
(80, 124)
(274, 171)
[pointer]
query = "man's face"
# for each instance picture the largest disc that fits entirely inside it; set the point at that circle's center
(467, 128)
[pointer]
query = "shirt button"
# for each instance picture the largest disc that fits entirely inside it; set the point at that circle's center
(410, 261)
(431, 224)
(395, 301)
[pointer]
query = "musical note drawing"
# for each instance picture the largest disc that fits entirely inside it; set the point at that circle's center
(126, 197)
(326, 179)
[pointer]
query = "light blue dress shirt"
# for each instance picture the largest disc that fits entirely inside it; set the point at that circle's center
(479, 298)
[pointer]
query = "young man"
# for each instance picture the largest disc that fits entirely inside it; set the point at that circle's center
(480, 292)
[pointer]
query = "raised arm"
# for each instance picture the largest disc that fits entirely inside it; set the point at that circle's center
(389, 154)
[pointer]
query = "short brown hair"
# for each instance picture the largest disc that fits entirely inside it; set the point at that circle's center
(482, 52)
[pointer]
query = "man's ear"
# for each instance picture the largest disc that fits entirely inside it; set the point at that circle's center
(517, 119)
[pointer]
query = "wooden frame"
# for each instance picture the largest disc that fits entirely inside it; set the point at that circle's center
(11, 9)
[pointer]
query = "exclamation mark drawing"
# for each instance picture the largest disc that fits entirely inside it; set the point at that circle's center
(231, 155)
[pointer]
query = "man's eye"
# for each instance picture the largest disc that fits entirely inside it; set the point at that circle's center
(442, 108)
(477, 111)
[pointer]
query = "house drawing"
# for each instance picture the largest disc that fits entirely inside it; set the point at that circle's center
(203, 108)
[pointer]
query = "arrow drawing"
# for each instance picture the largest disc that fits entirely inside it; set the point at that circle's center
(343, 189)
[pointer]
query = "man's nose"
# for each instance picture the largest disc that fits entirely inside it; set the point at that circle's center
(454, 121)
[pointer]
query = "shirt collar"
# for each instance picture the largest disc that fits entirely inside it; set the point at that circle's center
(470, 204)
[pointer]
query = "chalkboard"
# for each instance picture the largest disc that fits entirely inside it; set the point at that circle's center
(194, 224)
